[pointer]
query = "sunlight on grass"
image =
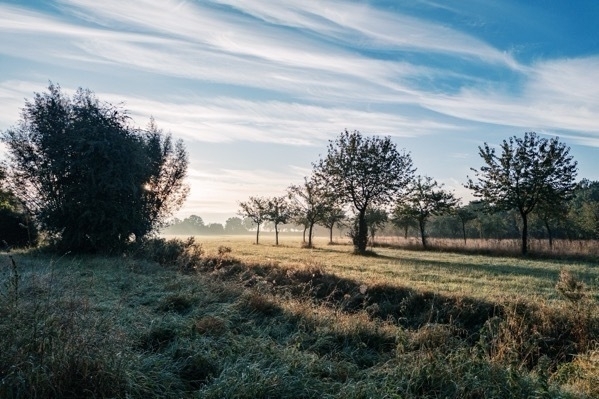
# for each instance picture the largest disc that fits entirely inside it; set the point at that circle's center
(486, 277)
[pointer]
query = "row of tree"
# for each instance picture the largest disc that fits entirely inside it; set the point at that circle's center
(579, 221)
(368, 179)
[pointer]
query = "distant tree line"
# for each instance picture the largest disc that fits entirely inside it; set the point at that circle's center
(194, 225)
(577, 220)
(367, 185)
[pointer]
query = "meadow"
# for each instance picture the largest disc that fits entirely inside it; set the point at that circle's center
(231, 319)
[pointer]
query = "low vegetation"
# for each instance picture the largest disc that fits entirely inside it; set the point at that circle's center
(227, 318)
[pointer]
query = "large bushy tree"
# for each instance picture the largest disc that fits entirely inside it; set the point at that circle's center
(365, 172)
(92, 181)
(529, 171)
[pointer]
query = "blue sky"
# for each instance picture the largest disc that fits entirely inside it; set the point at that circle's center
(256, 88)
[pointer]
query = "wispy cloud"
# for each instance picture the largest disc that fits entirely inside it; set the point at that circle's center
(224, 119)
(371, 28)
(555, 95)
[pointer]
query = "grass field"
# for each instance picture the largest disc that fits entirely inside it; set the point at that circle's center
(260, 321)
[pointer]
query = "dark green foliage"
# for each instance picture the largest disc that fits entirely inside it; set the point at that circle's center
(92, 181)
(531, 171)
(365, 172)
(584, 210)
(16, 227)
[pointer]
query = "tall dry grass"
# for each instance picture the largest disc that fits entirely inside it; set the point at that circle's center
(501, 247)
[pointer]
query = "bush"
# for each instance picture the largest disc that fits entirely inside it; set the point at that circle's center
(183, 255)
(15, 231)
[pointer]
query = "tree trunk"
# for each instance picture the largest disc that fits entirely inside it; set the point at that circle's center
(257, 233)
(405, 232)
(464, 231)
(276, 234)
(361, 239)
(331, 235)
(549, 233)
(422, 234)
(310, 235)
(524, 233)
(304, 235)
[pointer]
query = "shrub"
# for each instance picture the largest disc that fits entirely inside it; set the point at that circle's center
(15, 231)
(183, 255)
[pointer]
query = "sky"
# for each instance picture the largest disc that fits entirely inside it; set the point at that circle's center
(257, 88)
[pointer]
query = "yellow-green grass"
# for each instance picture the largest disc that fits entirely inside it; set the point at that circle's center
(492, 278)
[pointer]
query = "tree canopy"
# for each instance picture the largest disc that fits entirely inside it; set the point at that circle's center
(530, 170)
(91, 180)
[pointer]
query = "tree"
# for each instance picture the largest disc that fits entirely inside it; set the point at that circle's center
(277, 211)
(309, 204)
(195, 221)
(465, 214)
(255, 210)
(528, 171)
(90, 179)
(427, 198)
(333, 216)
(215, 229)
(584, 210)
(364, 171)
(235, 225)
(375, 219)
(404, 217)
(551, 210)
